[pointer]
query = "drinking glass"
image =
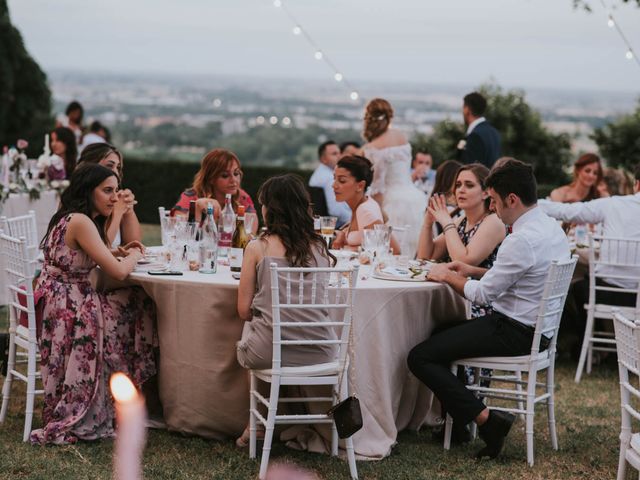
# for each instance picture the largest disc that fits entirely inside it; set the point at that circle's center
(251, 223)
(328, 227)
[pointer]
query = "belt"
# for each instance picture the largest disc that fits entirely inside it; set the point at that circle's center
(544, 340)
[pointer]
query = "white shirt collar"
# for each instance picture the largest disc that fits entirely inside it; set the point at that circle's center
(525, 217)
(474, 124)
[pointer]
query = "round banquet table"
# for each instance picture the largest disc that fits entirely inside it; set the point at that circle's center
(204, 391)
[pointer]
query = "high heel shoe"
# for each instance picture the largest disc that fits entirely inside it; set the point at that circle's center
(243, 440)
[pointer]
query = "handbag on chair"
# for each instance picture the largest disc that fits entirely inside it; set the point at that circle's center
(347, 414)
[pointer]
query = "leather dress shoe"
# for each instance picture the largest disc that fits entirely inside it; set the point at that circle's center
(494, 431)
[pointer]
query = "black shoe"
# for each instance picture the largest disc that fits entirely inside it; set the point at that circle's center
(459, 435)
(494, 432)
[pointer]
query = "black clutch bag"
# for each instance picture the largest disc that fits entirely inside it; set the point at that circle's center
(347, 416)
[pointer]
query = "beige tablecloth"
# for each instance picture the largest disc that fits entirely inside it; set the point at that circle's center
(19, 204)
(205, 392)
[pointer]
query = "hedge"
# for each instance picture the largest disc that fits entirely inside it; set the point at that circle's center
(159, 183)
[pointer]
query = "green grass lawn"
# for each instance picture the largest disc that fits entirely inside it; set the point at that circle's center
(588, 426)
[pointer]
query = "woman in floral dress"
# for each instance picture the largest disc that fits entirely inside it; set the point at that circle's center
(87, 335)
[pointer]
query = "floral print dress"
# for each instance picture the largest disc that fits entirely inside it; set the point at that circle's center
(86, 335)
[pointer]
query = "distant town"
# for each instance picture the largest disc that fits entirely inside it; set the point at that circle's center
(280, 121)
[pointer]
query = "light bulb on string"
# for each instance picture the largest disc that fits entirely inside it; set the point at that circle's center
(354, 96)
(629, 54)
(273, 120)
(318, 55)
(277, 3)
(297, 30)
(610, 22)
(338, 77)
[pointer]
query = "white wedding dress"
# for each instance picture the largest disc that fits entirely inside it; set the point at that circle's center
(402, 202)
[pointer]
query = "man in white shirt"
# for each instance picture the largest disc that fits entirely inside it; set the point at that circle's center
(322, 177)
(423, 175)
(620, 218)
(513, 287)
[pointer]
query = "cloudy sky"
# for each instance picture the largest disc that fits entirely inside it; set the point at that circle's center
(524, 43)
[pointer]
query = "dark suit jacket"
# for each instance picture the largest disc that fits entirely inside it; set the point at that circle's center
(483, 145)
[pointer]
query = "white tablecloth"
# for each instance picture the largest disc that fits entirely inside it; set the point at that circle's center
(19, 204)
(204, 390)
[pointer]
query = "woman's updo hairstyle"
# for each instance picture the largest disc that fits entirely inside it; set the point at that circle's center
(359, 167)
(377, 118)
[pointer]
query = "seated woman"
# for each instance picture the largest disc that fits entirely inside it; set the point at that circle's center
(473, 239)
(289, 240)
(352, 177)
(122, 225)
(87, 335)
(220, 174)
(587, 174)
(63, 144)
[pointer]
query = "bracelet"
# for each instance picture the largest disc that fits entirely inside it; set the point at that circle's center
(448, 226)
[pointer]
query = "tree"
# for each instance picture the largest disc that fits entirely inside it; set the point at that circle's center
(619, 142)
(25, 98)
(523, 135)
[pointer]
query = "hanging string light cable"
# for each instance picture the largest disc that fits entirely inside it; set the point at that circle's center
(630, 54)
(319, 54)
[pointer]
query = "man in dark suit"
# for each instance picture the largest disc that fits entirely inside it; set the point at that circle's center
(482, 143)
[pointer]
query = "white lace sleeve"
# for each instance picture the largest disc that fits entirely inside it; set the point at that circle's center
(379, 174)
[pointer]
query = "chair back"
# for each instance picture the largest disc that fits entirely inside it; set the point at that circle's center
(556, 287)
(617, 262)
(298, 289)
(627, 342)
(19, 278)
(23, 226)
(318, 201)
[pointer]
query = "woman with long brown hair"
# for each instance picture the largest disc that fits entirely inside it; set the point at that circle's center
(390, 153)
(289, 241)
(220, 174)
(587, 174)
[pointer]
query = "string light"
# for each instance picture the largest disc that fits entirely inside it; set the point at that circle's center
(612, 23)
(318, 54)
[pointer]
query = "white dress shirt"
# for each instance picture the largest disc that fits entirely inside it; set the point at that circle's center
(323, 177)
(620, 218)
(473, 124)
(514, 285)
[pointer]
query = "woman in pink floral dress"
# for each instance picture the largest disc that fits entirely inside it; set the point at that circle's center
(87, 335)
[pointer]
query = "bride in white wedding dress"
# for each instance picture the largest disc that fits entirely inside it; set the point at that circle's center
(390, 153)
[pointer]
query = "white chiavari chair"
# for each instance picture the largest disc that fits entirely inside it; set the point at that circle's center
(19, 274)
(315, 284)
(615, 261)
(547, 324)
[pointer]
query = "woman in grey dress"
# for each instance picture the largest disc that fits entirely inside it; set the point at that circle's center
(289, 240)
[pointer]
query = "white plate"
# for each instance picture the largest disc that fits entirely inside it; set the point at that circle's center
(398, 275)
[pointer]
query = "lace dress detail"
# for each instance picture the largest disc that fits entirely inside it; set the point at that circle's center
(86, 335)
(403, 203)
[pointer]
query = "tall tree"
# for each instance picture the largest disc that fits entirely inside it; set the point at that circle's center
(25, 98)
(523, 135)
(619, 141)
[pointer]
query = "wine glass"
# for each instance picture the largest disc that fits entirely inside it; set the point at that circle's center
(250, 223)
(328, 227)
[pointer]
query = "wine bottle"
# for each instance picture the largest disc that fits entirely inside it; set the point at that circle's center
(238, 242)
(209, 243)
(227, 224)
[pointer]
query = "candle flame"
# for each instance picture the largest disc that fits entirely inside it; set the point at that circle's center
(122, 388)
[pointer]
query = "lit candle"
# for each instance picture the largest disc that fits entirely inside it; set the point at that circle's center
(131, 417)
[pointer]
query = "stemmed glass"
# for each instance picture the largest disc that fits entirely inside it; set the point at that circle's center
(328, 227)
(250, 223)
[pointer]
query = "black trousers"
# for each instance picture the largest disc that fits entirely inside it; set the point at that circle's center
(491, 335)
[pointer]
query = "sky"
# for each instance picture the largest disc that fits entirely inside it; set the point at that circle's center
(518, 43)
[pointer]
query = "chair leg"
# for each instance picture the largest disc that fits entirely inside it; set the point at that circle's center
(6, 387)
(521, 402)
(351, 457)
(625, 421)
(551, 412)
(531, 395)
(586, 347)
(271, 420)
(31, 392)
(253, 405)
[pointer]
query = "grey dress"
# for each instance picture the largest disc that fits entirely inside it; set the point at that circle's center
(254, 350)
